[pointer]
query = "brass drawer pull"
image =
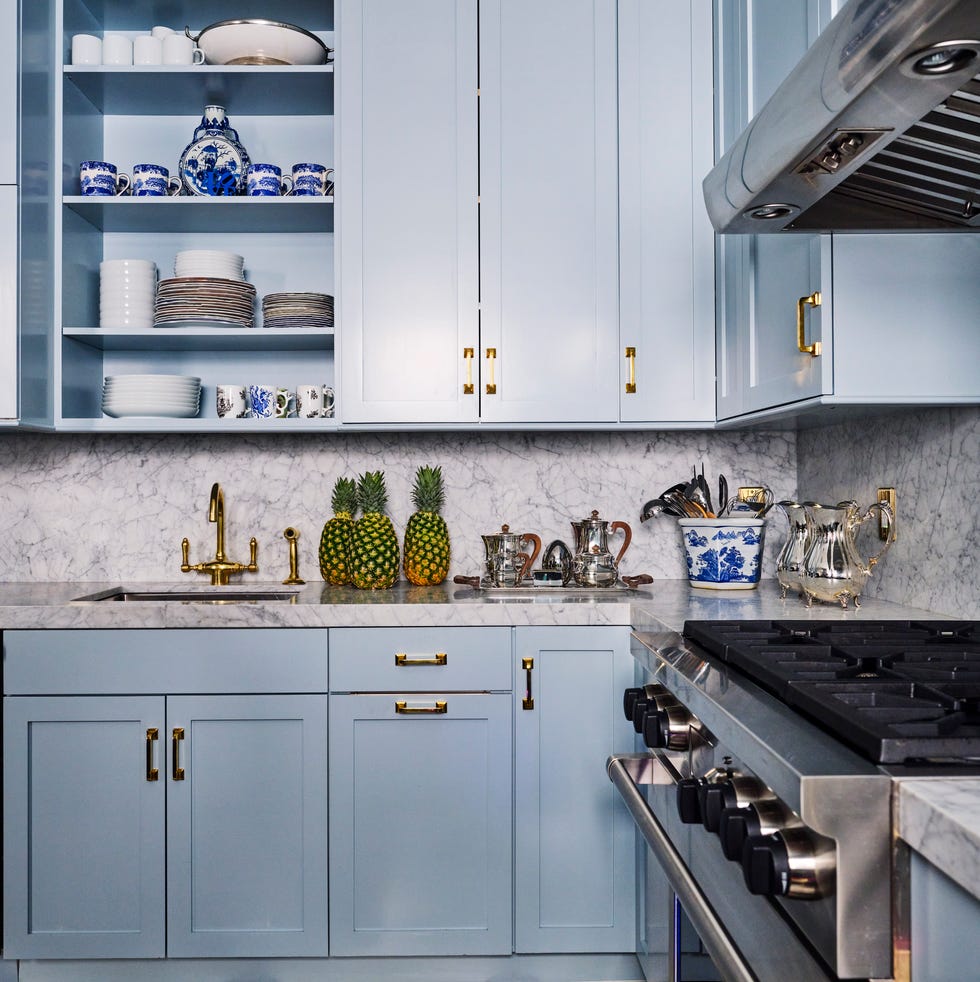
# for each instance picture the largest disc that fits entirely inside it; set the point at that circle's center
(177, 772)
(814, 300)
(152, 735)
(491, 362)
(402, 659)
(631, 364)
(403, 709)
(528, 701)
(468, 384)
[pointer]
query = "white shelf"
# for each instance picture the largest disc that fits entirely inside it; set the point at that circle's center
(196, 425)
(204, 339)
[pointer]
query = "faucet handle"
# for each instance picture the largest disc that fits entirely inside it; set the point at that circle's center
(253, 553)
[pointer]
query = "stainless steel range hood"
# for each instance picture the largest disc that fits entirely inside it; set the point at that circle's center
(876, 129)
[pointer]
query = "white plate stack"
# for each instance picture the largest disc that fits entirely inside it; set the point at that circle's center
(173, 396)
(297, 310)
(210, 263)
(127, 291)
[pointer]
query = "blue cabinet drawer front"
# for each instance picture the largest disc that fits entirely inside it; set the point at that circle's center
(172, 662)
(420, 659)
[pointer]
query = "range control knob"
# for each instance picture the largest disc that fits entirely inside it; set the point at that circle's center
(736, 792)
(689, 800)
(629, 701)
(794, 862)
(636, 701)
(758, 818)
(668, 727)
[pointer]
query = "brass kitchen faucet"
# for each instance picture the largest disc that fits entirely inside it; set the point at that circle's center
(221, 567)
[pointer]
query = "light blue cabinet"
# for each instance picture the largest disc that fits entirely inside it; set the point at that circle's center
(574, 850)
(666, 243)
(9, 88)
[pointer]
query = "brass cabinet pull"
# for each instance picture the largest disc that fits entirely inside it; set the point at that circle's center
(491, 362)
(814, 300)
(152, 735)
(402, 660)
(631, 364)
(528, 701)
(177, 772)
(468, 384)
(403, 709)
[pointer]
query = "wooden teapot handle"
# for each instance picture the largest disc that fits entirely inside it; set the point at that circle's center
(536, 539)
(627, 537)
(473, 581)
(634, 581)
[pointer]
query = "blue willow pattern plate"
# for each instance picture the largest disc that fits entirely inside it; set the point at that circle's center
(213, 166)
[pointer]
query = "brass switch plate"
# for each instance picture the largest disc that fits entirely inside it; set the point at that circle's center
(887, 529)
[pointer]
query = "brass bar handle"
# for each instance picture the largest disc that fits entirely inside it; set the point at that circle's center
(528, 701)
(468, 388)
(176, 771)
(403, 709)
(491, 362)
(631, 365)
(152, 735)
(814, 300)
(403, 661)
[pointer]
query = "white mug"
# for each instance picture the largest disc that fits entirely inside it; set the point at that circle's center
(86, 49)
(231, 402)
(147, 50)
(326, 405)
(117, 49)
(308, 399)
(178, 49)
(161, 32)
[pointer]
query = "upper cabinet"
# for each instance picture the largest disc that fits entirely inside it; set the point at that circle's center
(9, 402)
(806, 321)
(133, 114)
(481, 279)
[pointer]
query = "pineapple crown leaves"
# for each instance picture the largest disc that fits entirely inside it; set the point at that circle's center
(371, 493)
(428, 494)
(344, 498)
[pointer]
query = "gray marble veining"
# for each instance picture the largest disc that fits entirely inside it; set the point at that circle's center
(78, 507)
(932, 458)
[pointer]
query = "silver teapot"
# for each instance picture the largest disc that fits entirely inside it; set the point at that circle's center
(832, 569)
(789, 562)
(507, 562)
(593, 563)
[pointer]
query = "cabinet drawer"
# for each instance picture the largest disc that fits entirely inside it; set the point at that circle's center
(172, 662)
(420, 659)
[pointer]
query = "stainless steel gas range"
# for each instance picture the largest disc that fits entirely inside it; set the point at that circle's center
(765, 789)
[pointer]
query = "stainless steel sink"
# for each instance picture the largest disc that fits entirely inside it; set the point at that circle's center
(202, 595)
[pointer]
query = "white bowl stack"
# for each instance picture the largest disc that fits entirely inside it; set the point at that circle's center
(174, 396)
(127, 291)
(210, 263)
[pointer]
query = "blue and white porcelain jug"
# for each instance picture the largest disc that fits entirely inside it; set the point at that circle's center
(214, 162)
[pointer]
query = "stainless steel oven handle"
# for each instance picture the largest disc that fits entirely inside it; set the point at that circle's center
(723, 952)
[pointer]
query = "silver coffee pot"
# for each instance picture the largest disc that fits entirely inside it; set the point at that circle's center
(507, 562)
(593, 563)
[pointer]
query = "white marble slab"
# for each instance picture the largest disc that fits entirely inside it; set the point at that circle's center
(940, 818)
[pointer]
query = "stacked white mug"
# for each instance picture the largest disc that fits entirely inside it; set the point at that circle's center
(127, 291)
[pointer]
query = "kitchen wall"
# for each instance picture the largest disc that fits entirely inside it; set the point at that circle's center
(932, 458)
(97, 507)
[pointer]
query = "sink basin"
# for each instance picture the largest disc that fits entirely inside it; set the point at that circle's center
(202, 595)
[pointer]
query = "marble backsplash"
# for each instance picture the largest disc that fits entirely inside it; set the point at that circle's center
(115, 507)
(932, 459)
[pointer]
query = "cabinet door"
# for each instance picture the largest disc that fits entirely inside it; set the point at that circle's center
(9, 71)
(549, 308)
(761, 278)
(84, 846)
(246, 826)
(666, 240)
(407, 211)
(574, 850)
(8, 303)
(420, 824)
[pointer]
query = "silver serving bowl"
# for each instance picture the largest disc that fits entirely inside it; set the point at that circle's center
(259, 42)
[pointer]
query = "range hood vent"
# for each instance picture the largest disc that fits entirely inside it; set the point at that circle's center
(877, 129)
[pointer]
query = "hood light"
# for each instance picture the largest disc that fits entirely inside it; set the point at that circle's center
(944, 58)
(770, 212)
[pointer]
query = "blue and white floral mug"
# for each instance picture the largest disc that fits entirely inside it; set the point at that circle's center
(261, 401)
(266, 181)
(311, 180)
(723, 553)
(153, 181)
(99, 177)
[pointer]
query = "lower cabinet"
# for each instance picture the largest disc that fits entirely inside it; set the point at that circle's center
(574, 849)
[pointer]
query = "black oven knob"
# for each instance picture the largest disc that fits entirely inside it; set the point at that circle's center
(794, 862)
(689, 800)
(667, 726)
(758, 818)
(735, 792)
(629, 701)
(712, 804)
(639, 711)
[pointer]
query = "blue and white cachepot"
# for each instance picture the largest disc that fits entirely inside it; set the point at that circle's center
(723, 553)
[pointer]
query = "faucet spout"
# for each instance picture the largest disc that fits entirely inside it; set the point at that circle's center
(216, 513)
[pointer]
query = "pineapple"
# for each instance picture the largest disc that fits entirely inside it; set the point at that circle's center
(374, 544)
(426, 535)
(335, 564)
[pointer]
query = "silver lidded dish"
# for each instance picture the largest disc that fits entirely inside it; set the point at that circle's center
(259, 42)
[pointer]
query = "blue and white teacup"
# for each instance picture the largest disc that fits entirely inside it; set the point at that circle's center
(261, 401)
(99, 177)
(153, 181)
(266, 181)
(311, 180)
